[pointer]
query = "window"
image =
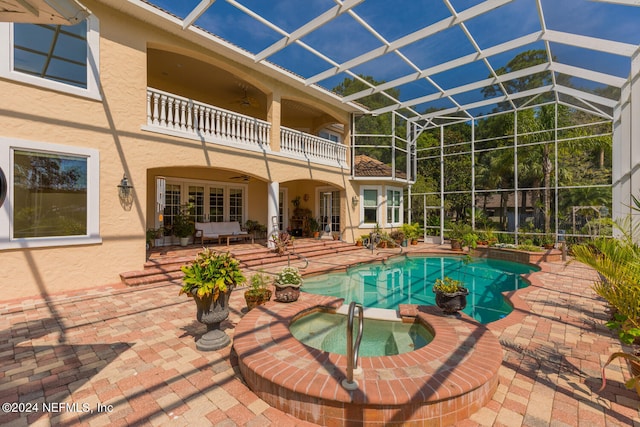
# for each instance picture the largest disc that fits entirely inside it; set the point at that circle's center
(209, 201)
(196, 202)
(370, 212)
(236, 202)
(53, 195)
(59, 57)
(394, 206)
(216, 204)
(331, 136)
(171, 205)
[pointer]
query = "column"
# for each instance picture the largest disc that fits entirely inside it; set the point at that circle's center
(273, 195)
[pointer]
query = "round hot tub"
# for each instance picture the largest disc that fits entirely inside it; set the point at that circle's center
(327, 332)
(439, 384)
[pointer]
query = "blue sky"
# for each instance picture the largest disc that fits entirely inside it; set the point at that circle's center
(344, 38)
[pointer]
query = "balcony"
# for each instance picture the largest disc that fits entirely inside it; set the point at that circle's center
(174, 115)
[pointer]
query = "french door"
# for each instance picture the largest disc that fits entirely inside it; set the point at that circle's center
(208, 201)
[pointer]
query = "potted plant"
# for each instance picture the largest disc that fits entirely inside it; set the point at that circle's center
(383, 240)
(451, 295)
(470, 240)
(152, 236)
(255, 228)
(209, 280)
(287, 284)
(411, 232)
(457, 233)
(258, 292)
(282, 240)
(335, 235)
(398, 237)
(359, 241)
(182, 225)
(314, 227)
(486, 237)
(548, 241)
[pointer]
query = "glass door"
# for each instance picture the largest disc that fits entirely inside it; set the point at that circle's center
(330, 211)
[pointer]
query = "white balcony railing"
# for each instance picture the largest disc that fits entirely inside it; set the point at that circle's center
(192, 118)
(179, 116)
(314, 148)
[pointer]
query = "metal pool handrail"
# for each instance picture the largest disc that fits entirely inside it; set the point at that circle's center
(352, 349)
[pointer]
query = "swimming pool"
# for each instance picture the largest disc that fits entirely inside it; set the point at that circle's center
(408, 280)
(326, 331)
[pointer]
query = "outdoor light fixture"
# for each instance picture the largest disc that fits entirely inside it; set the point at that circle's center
(354, 201)
(124, 193)
(124, 189)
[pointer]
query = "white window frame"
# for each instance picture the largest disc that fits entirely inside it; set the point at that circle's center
(7, 147)
(378, 188)
(401, 207)
(93, 63)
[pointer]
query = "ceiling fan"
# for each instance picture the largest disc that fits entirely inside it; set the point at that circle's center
(248, 101)
(244, 178)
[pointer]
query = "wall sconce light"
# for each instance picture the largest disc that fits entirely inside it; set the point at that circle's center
(306, 197)
(354, 201)
(124, 189)
(125, 193)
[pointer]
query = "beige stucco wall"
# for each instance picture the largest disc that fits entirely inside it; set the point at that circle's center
(113, 126)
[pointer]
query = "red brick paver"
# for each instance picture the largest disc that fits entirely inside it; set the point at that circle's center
(127, 356)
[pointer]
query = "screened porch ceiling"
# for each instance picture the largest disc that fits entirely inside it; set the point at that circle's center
(432, 59)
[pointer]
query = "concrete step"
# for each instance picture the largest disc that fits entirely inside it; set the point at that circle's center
(166, 266)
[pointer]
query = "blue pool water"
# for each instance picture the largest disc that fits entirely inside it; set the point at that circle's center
(408, 280)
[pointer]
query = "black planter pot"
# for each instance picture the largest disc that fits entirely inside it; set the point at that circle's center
(452, 302)
(212, 313)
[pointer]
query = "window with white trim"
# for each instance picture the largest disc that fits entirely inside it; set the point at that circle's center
(52, 197)
(394, 206)
(58, 57)
(370, 206)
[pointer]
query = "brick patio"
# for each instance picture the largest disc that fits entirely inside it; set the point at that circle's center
(132, 351)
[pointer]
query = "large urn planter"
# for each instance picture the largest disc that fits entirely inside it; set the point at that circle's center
(452, 302)
(209, 280)
(451, 296)
(211, 313)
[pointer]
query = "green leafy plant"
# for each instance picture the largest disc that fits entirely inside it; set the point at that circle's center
(211, 273)
(470, 240)
(288, 276)
(258, 284)
(448, 285)
(547, 240)
(182, 225)
(314, 225)
(411, 231)
(617, 260)
(154, 233)
(457, 230)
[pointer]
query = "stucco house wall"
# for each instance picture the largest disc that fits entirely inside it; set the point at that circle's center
(112, 125)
